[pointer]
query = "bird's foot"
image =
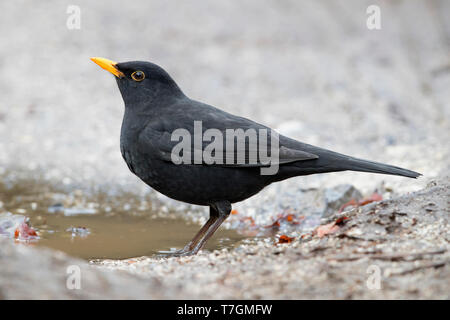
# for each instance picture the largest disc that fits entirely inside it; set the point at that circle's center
(186, 251)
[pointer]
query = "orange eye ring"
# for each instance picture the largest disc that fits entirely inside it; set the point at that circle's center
(138, 76)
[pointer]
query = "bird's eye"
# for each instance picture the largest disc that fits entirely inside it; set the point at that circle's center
(138, 76)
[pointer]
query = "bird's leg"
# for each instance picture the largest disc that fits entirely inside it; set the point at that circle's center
(223, 209)
(218, 212)
(213, 216)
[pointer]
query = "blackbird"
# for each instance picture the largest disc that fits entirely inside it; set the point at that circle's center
(155, 108)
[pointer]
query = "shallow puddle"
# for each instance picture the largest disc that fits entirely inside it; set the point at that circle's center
(102, 228)
(118, 237)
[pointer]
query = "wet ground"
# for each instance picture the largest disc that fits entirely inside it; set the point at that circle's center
(394, 249)
(122, 237)
(89, 227)
(96, 225)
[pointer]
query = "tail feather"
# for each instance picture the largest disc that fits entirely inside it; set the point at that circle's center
(355, 164)
(330, 161)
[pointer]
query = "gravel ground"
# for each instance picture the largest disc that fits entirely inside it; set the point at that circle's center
(404, 241)
(311, 69)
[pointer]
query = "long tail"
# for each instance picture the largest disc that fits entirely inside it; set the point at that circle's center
(330, 161)
(356, 164)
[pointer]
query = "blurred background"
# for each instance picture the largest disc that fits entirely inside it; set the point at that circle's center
(312, 69)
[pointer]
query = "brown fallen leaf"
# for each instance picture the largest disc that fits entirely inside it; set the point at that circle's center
(374, 197)
(353, 203)
(291, 218)
(276, 224)
(285, 239)
(330, 228)
(25, 232)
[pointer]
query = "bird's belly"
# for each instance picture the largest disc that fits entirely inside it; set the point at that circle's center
(199, 184)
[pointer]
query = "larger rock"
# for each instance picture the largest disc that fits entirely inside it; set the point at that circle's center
(336, 197)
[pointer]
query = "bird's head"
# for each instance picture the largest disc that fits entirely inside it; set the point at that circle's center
(141, 83)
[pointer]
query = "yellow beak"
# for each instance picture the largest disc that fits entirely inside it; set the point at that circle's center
(108, 65)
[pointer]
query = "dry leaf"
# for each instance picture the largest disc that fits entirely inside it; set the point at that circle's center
(25, 232)
(330, 228)
(285, 239)
(353, 203)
